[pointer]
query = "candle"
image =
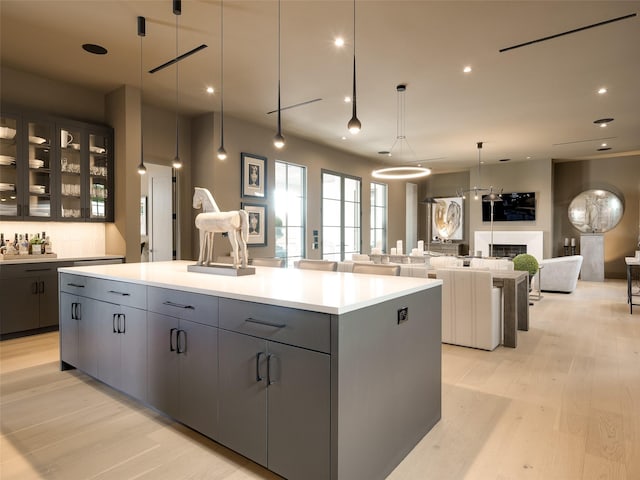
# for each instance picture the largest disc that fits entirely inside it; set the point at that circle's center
(399, 247)
(393, 251)
(566, 242)
(573, 242)
(421, 245)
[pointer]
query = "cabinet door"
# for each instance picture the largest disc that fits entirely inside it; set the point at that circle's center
(133, 352)
(108, 347)
(88, 312)
(100, 181)
(243, 395)
(198, 355)
(299, 416)
(18, 304)
(68, 328)
(162, 361)
(39, 186)
(72, 167)
(48, 291)
(10, 175)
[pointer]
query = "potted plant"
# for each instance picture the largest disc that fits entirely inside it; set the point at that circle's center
(526, 263)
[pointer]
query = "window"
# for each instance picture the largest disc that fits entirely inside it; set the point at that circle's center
(290, 199)
(379, 216)
(340, 216)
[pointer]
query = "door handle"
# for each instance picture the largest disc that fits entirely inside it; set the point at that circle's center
(77, 285)
(265, 322)
(178, 305)
(269, 381)
(121, 322)
(34, 288)
(41, 289)
(259, 377)
(73, 310)
(171, 347)
(183, 348)
(124, 294)
(113, 323)
(78, 311)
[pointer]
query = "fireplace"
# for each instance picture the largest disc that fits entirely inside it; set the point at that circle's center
(508, 250)
(533, 239)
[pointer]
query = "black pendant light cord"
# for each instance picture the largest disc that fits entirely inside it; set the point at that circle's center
(353, 107)
(141, 33)
(221, 77)
(177, 69)
(279, 109)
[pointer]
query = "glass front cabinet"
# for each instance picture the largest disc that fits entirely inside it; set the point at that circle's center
(55, 169)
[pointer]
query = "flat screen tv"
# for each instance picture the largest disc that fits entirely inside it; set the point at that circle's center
(514, 207)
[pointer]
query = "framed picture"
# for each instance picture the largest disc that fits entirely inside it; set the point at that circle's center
(447, 218)
(257, 224)
(254, 175)
(143, 215)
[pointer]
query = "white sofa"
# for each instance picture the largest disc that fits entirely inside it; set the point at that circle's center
(559, 274)
(471, 308)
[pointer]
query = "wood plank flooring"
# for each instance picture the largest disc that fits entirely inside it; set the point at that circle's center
(564, 405)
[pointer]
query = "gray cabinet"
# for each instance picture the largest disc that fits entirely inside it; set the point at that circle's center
(183, 357)
(274, 397)
(55, 168)
(28, 297)
(122, 352)
(79, 332)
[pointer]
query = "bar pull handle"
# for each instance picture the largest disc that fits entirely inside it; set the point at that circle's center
(41, 289)
(265, 322)
(122, 323)
(171, 347)
(269, 380)
(115, 292)
(113, 322)
(73, 311)
(178, 305)
(77, 285)
(259, 377)
(38, 269)
(78, 311)
(34, 288)
(181, 346)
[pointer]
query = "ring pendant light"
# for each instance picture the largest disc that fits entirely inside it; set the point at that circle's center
(400, 173)
(222, 153)
(142, 31)
(177, 10)
(278, 139)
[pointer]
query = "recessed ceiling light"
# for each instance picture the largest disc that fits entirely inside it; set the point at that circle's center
(528, 157)
(347, 99)
(344, 138)
(467, 69)
(603, 125)
(602, 91)
(603, 145)
(95, 49)
(339, 42)
(210, 90)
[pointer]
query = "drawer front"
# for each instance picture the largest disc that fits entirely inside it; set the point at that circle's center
(287, 325)
(75, 284)
(121, 293)
(190, 306)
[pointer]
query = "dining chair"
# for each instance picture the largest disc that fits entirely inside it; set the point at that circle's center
(376, 269)
(325, 265)
(268, 262)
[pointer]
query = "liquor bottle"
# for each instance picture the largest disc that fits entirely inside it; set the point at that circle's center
(48, 246)
(2, 247)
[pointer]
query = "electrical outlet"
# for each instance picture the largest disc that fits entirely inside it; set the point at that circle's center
(403, 315)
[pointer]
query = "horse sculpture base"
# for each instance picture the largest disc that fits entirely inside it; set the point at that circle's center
(222, 269)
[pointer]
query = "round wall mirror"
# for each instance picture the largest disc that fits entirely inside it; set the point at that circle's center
(595, 211)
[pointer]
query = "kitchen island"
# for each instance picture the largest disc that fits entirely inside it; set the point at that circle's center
(314, 375)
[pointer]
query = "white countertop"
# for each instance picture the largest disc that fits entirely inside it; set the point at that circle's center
(326, 292)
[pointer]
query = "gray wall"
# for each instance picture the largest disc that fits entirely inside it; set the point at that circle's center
(618, 175)
(223, 178)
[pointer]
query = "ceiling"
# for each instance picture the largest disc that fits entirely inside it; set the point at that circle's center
(534, 102)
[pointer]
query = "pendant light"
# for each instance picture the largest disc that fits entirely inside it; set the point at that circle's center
(477, 189)
(278, 139)
(141, 33)
(354, 124)
(177, 10)
(222, 153)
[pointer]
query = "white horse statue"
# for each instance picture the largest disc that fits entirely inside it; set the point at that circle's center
(212, 220)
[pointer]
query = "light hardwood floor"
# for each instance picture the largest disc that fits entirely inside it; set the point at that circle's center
(564, 405)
